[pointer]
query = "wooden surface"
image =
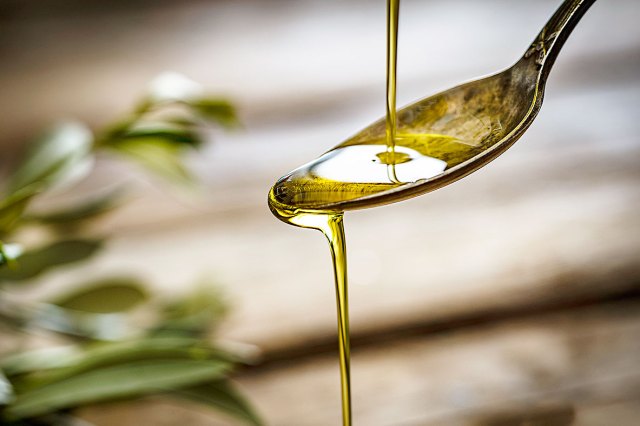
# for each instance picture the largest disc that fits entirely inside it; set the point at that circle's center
(575, 367)
(482, 375)
(550, 225)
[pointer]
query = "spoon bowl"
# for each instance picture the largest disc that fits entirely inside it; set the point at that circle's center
(440, 139)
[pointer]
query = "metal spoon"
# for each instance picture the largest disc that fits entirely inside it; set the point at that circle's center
(464, 128)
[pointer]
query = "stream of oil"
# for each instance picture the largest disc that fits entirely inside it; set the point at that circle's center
(393, 7)
(371, 162)
(294, 198)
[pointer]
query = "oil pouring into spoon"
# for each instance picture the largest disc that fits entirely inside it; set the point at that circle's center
(427, 145)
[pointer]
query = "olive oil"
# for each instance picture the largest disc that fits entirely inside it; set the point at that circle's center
(331, 225)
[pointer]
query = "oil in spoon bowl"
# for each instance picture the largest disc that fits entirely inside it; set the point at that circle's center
(352, 172)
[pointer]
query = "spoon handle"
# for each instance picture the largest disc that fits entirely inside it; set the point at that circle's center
(547, 45)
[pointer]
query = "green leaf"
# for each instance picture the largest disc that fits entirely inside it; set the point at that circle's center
(165, 133)
(172, 87)
(102, 355)
(157, 155)
(184, 120)
(6, 390)
(222, 395)
(73, 359)
(35, 262)
(81, 212)
(40, 359)
(13, 207)
(115, 382)
(105, 296)
(195, 314)
(60, 155)
(111, 326)
(217, 110)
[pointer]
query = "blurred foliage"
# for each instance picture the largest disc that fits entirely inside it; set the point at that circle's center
(104, 356)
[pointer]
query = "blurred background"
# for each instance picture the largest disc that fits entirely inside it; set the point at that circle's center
(508, 298)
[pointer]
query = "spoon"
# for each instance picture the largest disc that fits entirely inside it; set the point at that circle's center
(440, 139)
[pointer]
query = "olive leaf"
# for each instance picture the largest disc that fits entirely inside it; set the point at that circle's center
(165, 132)
(172, 87)
(184, 120)
(13, 207)
(222, 395)
(158, 146)
(97, 310)
(85, 325)
(40, 359)
(58, 157)
(157, 155)
(115, 382)
(217, 110)
(35, 262)
(195, 314)
(79, 359)
(109, 295)
(76, 215)
(6, 390)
